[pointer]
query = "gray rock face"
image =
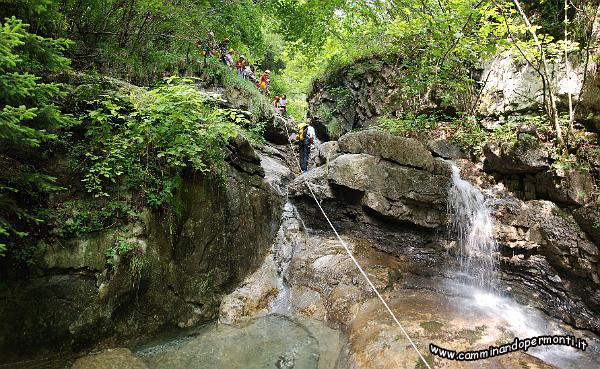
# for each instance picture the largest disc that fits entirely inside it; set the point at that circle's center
(572, 187)
(445, 150)
(190, 258)
(588, 218)
(403, 151)
(327, 151)
(519, 158)
(515, 87)
(394, 177)
(278, 130)
(546, 249)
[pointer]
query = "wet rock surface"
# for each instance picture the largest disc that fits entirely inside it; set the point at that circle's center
(324, 284)
(121, 358)
(191, 258)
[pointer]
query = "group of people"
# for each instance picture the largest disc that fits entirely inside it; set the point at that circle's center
(305, 137)
(209, 47)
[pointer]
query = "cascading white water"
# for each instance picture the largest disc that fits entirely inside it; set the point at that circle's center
(473, 224)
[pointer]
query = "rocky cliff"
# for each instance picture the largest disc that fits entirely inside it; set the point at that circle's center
(184, 261)
(355, 95)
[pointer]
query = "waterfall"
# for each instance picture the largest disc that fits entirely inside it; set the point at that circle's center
(473, 225)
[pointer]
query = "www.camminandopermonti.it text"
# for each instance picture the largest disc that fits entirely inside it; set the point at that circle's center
(516, 345)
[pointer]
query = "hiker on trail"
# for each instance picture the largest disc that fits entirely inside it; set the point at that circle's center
(277, 105)
(207, 46)
(240, 65)
(264, 82)
(282, 104)
(305, 138)
(223, 50)
(229, 59)
(249, 74)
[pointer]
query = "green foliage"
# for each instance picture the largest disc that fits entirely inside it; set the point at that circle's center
(125, 250)
(140, 40)
(29, 110)
(408, 124)
(146, 140)
(218, 75)
(74, 218)
(469, 135)
(296, 108)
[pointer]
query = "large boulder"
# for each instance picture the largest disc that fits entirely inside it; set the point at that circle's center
(278, 130)
(393, 177)
(445, 149)
(400, 150)
(515, 158)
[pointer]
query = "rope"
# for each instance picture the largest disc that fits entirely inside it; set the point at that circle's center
(345, 246)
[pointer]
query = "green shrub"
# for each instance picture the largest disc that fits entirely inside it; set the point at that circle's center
(147, 140)
(74, 218)
(469, 135)
(408, 124)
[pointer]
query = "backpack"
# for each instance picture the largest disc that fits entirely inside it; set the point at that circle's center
(302, 136)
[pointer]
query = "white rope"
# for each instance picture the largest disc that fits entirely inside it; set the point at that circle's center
(364, 274)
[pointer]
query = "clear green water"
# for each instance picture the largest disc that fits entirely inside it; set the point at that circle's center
(270, 342)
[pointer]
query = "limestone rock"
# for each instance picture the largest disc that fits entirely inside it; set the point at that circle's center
(327, 151)
(588, 218)
(243, 156)
(317, 179)
(445, 149)
(404, 194)
(571, 187)
(357, 94)
(519, 158)
(259, 293)
(401, 150)
(277, 175)
(279, 129)
(252, 299)
(120, 358)
(189, 258)
(513, 86)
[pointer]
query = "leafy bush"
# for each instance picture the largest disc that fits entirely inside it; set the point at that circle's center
(146, 140)
(124, 250)
(74, 218)
(408, 124)
(218, 75)
(469, 135)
